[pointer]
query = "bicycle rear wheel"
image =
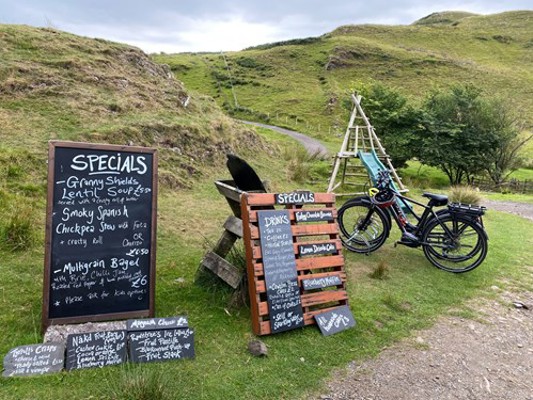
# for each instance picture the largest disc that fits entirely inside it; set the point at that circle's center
(364, 227)
(454, 243)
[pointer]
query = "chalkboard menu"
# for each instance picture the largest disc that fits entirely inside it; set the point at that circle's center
(157, 323)
(35, 359)
(100, 233)
(161, 345)
(322, 282)
(96, 349)
(336, 320)
(279, 263)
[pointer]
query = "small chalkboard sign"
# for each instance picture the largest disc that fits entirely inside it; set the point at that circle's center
(35, 359)
(146, 324)
(279, 263)
(161, 345)
(96, 349)
(316, 249)
(100, 233)
(300, 197)
(322, 282)
(335, 321)
(314, 215)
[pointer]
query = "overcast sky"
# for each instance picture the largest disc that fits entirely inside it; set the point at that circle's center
(201, 25)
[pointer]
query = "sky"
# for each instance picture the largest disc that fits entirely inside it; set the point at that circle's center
(173, 26)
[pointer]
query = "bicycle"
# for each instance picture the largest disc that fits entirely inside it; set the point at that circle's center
(453, 239)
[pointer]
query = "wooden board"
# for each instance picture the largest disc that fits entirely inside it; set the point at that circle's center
(100, 233)
(316, 248)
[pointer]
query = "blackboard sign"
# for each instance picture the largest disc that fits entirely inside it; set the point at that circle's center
(322, 282)
(336, 320)
(161, 345)
(35, 359)
(156, 323)
(317, 249)
(300, 197)
(314, 215)
(100, 233)
(279, 263)
(96, 349)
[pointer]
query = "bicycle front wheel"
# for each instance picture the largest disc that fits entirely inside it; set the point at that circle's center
(454, 243)
(364, 228)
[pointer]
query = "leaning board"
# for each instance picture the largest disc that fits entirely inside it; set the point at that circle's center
(315, 248)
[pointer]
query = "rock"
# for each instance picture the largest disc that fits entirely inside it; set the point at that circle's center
(257, 348)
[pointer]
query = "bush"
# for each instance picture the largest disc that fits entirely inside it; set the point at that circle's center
(464, 195)
(299, 163)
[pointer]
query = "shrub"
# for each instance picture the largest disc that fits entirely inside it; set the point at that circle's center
(299, 162)
(464, 195)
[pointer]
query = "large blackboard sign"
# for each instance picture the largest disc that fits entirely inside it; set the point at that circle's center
(96, 349)
(279, 263)
(161, 345)
(100, 233)
(35, 359)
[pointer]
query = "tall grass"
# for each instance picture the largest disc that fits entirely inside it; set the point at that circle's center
(465, 195)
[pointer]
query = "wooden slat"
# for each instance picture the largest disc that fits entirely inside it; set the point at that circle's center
(304, 230)
(305, 264)
(234, 225)
(337, 242)
(261, 286)
(325, 296)
(223, 269)
(268, 199)
(293, 211)
(312, 299)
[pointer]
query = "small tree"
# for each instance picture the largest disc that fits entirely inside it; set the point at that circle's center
(463, 133)
(505, 156)
(393, 118)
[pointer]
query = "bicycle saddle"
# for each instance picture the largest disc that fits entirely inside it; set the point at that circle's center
(436, 200)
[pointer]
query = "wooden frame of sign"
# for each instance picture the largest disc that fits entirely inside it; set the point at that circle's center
(317, 251)
(100, 244)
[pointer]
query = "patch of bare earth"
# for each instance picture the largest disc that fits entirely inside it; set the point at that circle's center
(488, 358)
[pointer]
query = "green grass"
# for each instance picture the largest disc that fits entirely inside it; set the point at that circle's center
(412, 297)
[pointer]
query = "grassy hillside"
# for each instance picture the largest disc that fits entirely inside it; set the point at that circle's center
(307, 81)
(54, 85)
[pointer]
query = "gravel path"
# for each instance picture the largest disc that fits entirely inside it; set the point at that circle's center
(524, 210)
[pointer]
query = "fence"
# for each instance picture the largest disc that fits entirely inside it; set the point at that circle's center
(512, 185)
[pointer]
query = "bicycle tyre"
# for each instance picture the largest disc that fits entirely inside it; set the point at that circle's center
(463, 251)
(363, 227)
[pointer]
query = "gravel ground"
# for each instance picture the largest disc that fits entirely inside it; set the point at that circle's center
(524, 210)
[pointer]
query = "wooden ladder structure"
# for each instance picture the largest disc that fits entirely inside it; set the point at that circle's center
(349, 173)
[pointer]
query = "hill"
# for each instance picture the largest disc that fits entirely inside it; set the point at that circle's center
(55, 85)
(307, 81)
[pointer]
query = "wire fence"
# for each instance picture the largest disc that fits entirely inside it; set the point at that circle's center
(512, 185)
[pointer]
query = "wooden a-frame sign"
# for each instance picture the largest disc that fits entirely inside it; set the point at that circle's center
(294, 259)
